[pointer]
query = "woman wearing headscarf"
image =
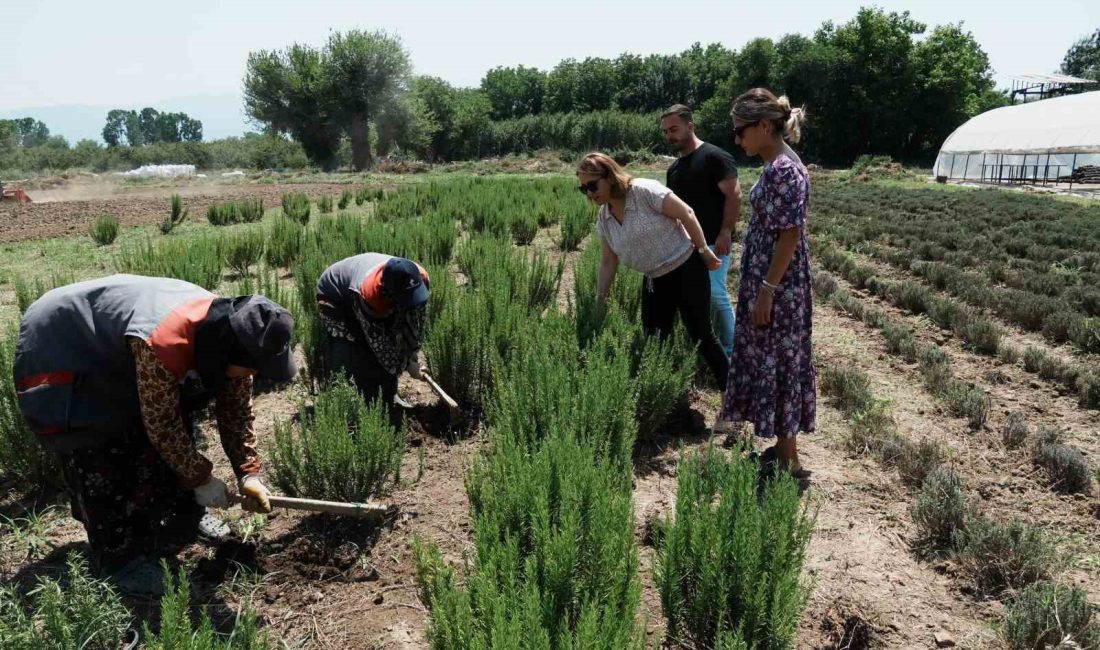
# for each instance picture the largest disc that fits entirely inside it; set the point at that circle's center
(373, 308)
(108, 373)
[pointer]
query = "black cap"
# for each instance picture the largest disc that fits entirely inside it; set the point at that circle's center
(264, 329)
(402, 282)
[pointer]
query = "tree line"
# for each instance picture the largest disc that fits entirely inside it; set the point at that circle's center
(149, 126)
(881, 83)
(870, 86)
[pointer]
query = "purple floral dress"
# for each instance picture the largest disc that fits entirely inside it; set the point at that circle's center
(772, 382)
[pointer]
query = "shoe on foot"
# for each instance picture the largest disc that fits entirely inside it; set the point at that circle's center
(400, 403)
(213, 529)
(139, 577)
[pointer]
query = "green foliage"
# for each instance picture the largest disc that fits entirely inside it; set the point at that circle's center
(26, 291)
(175, 217)
(729, 568)
(222, 214)
(197, 260)
(319, 95)
(1051, 615)
(343, 450)
(178, 632)
(104, 230)
(251, 210)
(1002, 556)
(554, 565)
(940, 511)
(296, 207)
(664, 374)
(524, 229)
(23, 463)
(75, 611)
(575, 226)
(243, 249)
(284, 242)
(1083, 57)
(324, 204)
(345, 199)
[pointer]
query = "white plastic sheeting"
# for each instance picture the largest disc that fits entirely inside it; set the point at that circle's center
(1036, 139)
(161, 171)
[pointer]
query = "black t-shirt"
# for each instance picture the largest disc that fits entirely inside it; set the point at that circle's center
(695, 177)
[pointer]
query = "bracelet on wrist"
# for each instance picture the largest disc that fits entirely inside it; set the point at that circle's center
(771, 287)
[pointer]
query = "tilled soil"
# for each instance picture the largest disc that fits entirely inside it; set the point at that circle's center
(134, 207)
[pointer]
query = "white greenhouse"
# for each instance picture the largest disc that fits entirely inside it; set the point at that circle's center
(1039, 141)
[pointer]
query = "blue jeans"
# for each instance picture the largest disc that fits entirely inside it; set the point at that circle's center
(720, 307)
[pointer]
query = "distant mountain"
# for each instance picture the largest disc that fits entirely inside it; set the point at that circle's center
(222, 116)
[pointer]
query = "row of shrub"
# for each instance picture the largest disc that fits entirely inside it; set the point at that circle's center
(1010, 560)
(977, 331)
(962, 399)
(1033, 261)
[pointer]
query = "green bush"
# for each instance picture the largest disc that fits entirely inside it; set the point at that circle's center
(664, 374)
(324, 204)
(284, 242)
(177, 632)
(345, 199)
(241, 250)
(555, 562)
(1066, 468)
(1003, 556)
(105, 230)
(343, 450)
(524, 228)
(940, 511)
(197, 260)
(251, 210)
(729, 567)
(26, 291)
(296, 207)
(75, 611)
(575, 225)
(1050, 615)
(23, 463)
(222, 214)
(176, 215)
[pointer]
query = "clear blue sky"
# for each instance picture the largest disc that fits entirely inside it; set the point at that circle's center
(129, 53)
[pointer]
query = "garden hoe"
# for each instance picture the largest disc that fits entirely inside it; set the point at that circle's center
(452, 405)
(360, 510)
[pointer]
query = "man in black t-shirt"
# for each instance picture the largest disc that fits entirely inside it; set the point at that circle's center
(705, 177)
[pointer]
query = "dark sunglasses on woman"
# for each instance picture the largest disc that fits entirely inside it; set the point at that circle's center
(589, 188)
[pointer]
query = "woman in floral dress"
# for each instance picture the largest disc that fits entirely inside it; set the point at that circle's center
(772, 381)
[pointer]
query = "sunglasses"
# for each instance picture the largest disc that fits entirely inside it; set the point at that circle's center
(589, 188)
(738, 130)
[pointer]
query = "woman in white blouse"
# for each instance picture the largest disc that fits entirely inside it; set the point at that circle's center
(649, 229)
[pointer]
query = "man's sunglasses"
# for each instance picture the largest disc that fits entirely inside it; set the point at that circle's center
(589, 188)
(738, 130)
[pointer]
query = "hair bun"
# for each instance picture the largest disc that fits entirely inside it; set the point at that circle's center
(785, 106)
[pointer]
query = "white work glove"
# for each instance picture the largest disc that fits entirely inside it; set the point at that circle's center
(415, 370)
(212, 494)
(257, 498)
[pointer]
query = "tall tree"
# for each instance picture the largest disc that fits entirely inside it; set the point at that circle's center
(369, 72)
(115, 128)
(291, 92)
(514, 92)
(1083, 58)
